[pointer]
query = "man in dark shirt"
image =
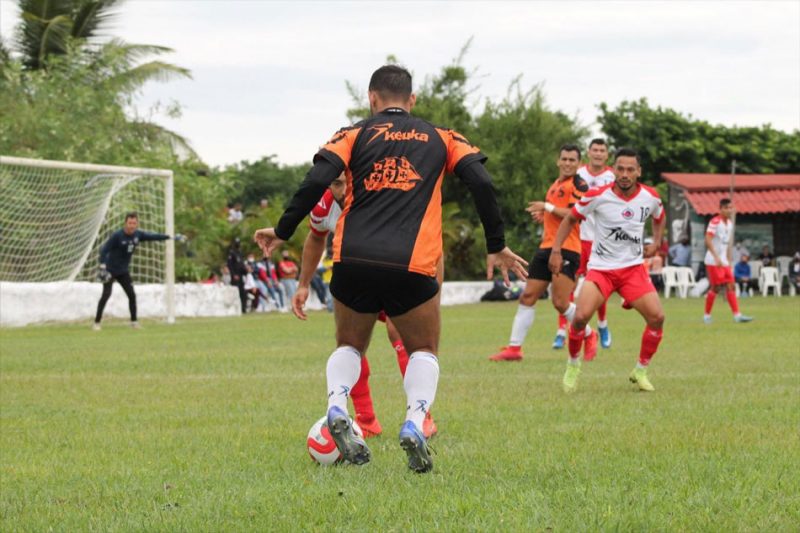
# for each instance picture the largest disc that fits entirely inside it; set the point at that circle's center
(115, 259)
(389, 244)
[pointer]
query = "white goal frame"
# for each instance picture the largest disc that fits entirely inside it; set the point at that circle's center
(125, 175)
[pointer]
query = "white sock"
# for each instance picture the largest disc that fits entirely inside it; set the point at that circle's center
(561, 332)
(640, 365)
(569, 314)
(587, 330)
(602, 323)
(422, 376)
(523, 321)
(343, 370)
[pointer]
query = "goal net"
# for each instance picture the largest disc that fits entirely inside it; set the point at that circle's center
(55, 217)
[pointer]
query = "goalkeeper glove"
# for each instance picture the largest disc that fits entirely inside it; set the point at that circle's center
(103, 275)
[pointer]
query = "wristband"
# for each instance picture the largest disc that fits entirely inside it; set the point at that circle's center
(549, 207)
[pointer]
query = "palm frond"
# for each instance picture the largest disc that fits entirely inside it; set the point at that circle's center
(92, 16)
(137, 76)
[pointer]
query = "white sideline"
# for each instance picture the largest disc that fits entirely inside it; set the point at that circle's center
(33, 303)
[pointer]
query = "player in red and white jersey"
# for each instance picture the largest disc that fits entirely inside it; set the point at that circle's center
(322, 221)
(718, 261)
(596, 174)
(617, 260)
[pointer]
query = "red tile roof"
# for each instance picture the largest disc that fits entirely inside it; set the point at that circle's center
(753, 193)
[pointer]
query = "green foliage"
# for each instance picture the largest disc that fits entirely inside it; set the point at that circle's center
(671, 142)
(201, 426)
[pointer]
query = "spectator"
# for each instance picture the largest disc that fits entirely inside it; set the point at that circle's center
(287, 273)
(680, 253)
(743, 276)
(655, 266)
(766, 257)
(274, 283)
(236, 266)
(738, 251)
(250, 287)
(235, 214)
(663, 250)
(794, 272)
(226, 275)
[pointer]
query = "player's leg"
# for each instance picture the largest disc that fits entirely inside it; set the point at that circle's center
(590, 298)
(714, 286)
(562, 286)
(523, 320)
(602, 326)
(127, 285)
(733, 302)
(362, 402)
(639, 290)
(108, 286)
(563, 324)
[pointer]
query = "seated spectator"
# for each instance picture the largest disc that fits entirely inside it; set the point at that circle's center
(794, 272)
(235, 214)
(680, 253)
(766, 257)
(743, 276)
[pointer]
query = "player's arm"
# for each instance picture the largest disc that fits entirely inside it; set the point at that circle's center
(145, 236)
(658, 234)
(556, 261)
(311, 190)
(105, 250)
(312, 253)
(537, 208)
(479, 182)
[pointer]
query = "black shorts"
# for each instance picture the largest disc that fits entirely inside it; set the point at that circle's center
(370, 289)
(538, 269)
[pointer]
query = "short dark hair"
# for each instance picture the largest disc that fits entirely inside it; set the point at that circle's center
(569, 147)
(131, 214)
(627, 152)
(391, 80)
(598, 140)
(724, 201)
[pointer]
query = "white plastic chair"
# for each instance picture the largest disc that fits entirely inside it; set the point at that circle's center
(670, 276)
(783, 262)
(768, 277)
(755, 269)
(685, 278)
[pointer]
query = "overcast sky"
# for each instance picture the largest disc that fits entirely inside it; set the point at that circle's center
(269, 77)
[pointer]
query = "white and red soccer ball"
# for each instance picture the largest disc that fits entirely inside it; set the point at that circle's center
(321, 446)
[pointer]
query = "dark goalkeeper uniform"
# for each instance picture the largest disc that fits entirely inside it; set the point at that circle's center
(388, 240)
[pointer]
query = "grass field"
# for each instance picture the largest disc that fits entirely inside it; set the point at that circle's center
(201, 426)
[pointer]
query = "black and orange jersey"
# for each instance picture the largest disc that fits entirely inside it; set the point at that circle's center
(563, 193)
(394, 164)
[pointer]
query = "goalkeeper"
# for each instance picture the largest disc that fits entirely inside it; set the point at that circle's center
(115, 258)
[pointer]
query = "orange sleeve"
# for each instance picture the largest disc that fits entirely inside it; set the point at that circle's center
(339, 149)
(459, 149)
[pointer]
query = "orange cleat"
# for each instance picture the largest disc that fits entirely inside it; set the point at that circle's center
(370, 428)
(590, 346)
(429, 428)
(508, 353)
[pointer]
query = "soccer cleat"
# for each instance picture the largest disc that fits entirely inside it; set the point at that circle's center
(508, 353)
(706, 319)
(742, 318)
(570, 381)
(413, 442)
(135, 325)
(352, 447)
(96, 326)
(639, 376)
(605, 337)
(590, 346)
(429, 428)
(558, 342)
(371, 428)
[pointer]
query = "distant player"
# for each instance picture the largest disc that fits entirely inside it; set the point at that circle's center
(616, 262)
(115, 260)
(562, 195)
(596, 174)
(718, 262)
(322, 220)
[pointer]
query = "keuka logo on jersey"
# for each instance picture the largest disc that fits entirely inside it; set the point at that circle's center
(392, 173)
(383, 129)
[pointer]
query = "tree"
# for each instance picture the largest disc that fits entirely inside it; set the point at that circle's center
(668, 141)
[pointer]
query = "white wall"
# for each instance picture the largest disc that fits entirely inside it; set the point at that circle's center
(31, 303)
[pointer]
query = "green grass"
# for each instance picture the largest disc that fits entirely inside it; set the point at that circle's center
(201, 426)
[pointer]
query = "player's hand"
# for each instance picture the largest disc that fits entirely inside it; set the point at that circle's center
(535, 207)
(299, 301)
(650, 249)
(555, 262)
(538, 217)
(266, 239)
(506, 260)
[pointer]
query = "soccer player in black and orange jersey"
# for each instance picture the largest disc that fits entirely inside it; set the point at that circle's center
(562, 195)
(387, 245)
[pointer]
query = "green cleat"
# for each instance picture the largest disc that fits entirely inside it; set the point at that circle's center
(570, 382)
(639, 376)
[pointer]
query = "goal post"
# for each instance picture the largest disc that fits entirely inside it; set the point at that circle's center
(55, 216)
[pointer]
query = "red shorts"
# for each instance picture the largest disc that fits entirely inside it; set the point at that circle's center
(719, 275)
(586, 251)
(631, 282)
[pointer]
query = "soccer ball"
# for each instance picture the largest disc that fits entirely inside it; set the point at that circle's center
(321, 446)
